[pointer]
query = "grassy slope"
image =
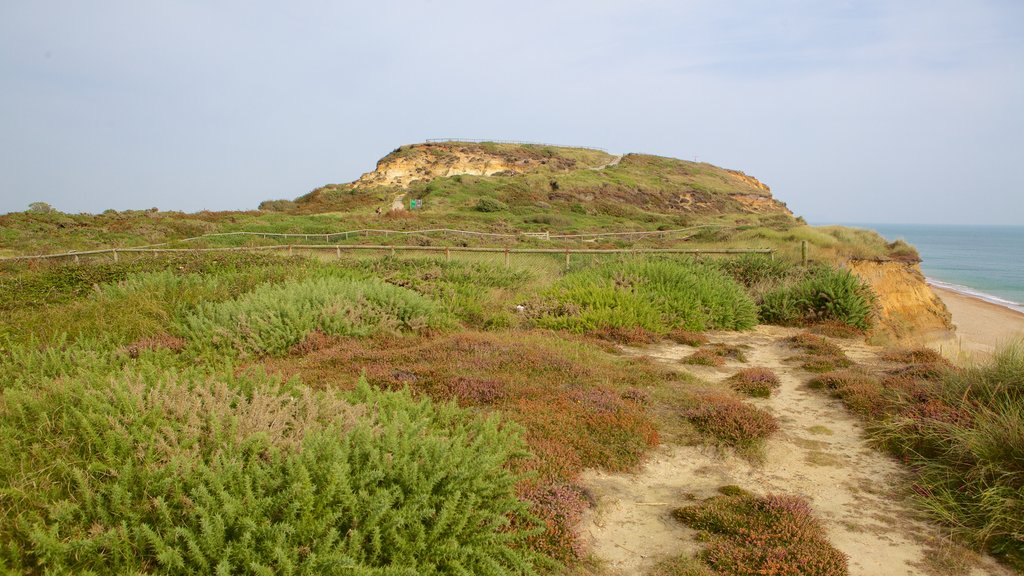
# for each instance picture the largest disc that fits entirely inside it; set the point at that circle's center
(641, 193)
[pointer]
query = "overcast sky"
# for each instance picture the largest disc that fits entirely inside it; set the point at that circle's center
(859, 111)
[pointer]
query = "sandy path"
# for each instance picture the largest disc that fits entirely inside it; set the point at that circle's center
(614, 162)
(819, 453)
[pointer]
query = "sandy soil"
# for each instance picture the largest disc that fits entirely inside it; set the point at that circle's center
(820, 453)
(981, 327)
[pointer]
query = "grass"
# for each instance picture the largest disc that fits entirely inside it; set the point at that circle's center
(754, 535)
(960, 432)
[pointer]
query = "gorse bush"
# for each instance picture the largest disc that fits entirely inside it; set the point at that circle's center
(657, 295)
(273, 318)
(253, 478)
(755, 535)
(825, 294)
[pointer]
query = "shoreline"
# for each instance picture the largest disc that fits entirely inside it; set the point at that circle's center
(982, 326)
(976, 294)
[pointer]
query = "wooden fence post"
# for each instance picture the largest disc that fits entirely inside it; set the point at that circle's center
(289, 249)
(567, 258)
(506, 257)
(76, 259)
(338, 250)
(115, 254)
(447, 254)
(803, 252)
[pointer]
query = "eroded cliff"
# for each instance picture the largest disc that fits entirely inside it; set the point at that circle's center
(907, 306)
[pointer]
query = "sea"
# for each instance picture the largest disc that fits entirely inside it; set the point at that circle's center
(986, 262)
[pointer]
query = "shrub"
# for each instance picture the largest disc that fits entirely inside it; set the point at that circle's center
(914, 356)
(859, 392)
(657, 295)
(486, 204)
(753, 269)
(753, 535)
(757, 382)
(278, 205)
(732, 421)
(200, 477)
(819, 355)
(683, 336)
(715, 355)
(627, 336)
(273, 318)
(825, 294)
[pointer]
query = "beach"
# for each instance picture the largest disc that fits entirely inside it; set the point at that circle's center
(981, 326)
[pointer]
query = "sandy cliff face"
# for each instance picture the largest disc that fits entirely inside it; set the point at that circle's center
(424, 162)
(907, 305)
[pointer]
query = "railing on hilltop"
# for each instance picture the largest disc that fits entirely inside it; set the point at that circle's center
(518, 142)
(447, 250)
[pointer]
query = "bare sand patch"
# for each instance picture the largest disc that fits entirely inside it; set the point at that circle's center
(853, 488)
(981, 327)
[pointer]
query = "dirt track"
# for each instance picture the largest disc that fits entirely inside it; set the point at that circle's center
(820, 453)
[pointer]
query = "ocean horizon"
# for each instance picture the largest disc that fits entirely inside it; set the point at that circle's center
(985, 262)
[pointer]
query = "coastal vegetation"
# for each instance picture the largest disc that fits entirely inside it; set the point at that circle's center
(413, 413)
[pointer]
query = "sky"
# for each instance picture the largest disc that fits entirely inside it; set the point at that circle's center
(899, 111)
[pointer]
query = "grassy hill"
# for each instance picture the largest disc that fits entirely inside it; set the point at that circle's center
(486, 187)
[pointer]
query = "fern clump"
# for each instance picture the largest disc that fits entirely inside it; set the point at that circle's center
(655, 294)
(160, 475)
(274, 317)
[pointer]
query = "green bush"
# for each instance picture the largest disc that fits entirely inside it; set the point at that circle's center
(824, 294)
(656, 294)
(274, 317)
(490, 205)
(143, 475)
(753, 269)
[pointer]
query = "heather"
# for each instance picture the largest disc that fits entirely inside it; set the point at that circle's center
(757, 535)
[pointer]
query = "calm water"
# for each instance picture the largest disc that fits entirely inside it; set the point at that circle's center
(986, 261)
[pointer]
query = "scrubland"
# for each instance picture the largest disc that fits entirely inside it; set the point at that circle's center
(260, 414)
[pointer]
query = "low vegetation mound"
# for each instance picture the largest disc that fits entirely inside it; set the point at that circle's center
(167, 475)
(818, 354)
(715, 354)
(274, 317)
(732, 421)
(757, 382)
(751, 535)
(657, 295)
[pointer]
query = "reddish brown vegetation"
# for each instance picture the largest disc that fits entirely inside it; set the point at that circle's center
(543, 383)
(715, 355)
(818, 354)
(688, 338)
(628, 336)
(774, 534)
(731, 420)
(158, 342)
(757, 382)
